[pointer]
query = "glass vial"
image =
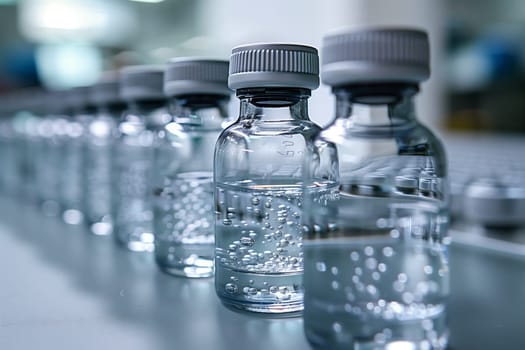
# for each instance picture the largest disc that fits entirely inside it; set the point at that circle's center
(101, 133)
(376, 271)
(80, 113)
(49, 153)
(26, 121)
(258, 176)
(10, 143)
(141, 88)
(183, 212)
(9, 178)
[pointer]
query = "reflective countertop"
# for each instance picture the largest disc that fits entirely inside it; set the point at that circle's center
(63, 288)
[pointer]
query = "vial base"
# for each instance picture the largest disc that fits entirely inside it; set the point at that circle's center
(136, 241)
(101, 228)
(73, 216)
(278, 294)
(193, 261)
(403, 335)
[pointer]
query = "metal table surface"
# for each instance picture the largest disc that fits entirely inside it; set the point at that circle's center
(62, 288)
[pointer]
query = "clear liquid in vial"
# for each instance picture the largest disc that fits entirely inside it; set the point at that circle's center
(184, 236)
(378, 284)
(259, 258)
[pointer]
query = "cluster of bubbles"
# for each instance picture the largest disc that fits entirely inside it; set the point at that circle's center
(185, 212)
(264, 291)
(259, 232)
(378, 286)
(267, 234)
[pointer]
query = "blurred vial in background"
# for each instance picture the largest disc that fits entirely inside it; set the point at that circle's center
(9, 179)
(25, 124)
(49, 152)
(376, 270)
(258, 176)
(183, 208)
(101, 132)
(80, 112)
(146, 114)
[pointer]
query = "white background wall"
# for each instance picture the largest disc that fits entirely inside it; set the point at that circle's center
(226, 23)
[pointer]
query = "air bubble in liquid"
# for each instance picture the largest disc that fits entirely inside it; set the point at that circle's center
(231, 288)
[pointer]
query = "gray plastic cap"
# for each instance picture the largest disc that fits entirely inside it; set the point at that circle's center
(375, 55)
(106, 90)
(196, 76)
(274, 65)
(141, 83)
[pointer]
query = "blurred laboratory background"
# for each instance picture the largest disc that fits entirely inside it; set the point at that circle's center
(475, 101)
(478, 47)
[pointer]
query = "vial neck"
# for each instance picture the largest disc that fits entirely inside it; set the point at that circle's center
(150, 112)
(199, 109)
(82, 111)
(111, 109)
(145, 107)
(376, 105)
(274, 104)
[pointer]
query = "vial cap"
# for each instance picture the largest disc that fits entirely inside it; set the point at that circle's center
(387, 55)
(196, 76)
(274, 65)
(139, 83)
(106, 90)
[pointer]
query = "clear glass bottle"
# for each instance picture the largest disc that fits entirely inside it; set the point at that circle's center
(8, 175)
(13, 136)
(376, 271)
(142, 88)
(49, 156)
(183, 209)
(80, 112)
(258, 176)
(25, 122)
(101, 132)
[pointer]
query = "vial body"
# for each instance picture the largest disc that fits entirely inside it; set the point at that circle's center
(183, 211)
(26, 140)
(376, 267)
(72, 176)
(10, 180)
(132, 175)
(101, 135)
(184, 234)
(258, 201)
(49, 162)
